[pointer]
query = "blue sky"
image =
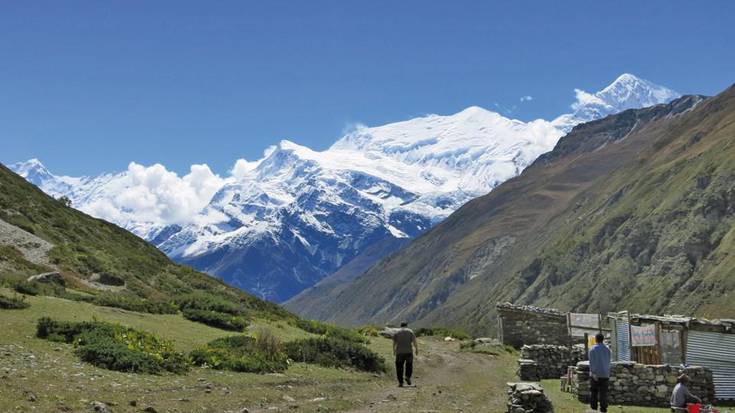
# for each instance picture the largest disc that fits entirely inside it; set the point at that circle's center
(90, 86)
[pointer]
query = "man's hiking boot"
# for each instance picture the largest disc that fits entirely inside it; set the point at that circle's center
(408, 381)
(400, 384)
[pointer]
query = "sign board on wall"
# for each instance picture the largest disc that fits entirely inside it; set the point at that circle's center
(643, 336)
(581, 324)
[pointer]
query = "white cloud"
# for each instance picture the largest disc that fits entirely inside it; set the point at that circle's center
(350, 127)
(243, 168)
(156, 195)
(526, 98)
(586, 99)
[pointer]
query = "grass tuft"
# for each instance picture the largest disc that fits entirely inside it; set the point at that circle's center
(260, 354)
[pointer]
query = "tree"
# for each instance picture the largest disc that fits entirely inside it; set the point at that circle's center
(65, 201)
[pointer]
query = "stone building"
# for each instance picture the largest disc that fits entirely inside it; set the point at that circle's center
(520, 324)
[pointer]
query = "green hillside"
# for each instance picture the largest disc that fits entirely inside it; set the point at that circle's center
(84, 249)
(634, 211)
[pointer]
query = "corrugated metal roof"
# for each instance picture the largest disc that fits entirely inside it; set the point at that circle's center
(684, 320)
(714, 351)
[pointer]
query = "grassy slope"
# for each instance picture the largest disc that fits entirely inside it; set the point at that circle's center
(634, 211)
(471, 382)
(84, 245)
(53, 373)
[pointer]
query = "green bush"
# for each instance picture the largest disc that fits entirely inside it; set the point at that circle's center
(27, 288)
(115, 347)
(132, 303)
(13, 303)
(242, 354)
(209, 302)
(216, 319)
(442, 332)
(334, 352)
(329, 330)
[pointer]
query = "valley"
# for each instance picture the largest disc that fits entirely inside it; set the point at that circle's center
(38, 375)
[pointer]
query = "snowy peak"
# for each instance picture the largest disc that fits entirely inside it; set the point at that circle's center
(33, 171)
(629, 91)
(626, 92)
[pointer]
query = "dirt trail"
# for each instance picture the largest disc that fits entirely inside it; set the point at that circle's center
(445, 380)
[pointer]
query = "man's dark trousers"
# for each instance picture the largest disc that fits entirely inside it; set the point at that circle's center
(401, 359)
(599, 388)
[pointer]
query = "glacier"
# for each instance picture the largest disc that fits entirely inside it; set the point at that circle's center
(278, 225)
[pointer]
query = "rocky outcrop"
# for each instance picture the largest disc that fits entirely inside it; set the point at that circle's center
(48, 278)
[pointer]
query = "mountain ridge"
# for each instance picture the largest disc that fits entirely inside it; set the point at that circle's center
(280, 224)
(643, 199)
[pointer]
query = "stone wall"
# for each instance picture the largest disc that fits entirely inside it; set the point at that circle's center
(528, 398)
(545, 361)
(521, 325)
(641, 384)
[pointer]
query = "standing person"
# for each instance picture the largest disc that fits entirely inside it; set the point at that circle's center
(404, 344)
(599, 373)
(681, 395)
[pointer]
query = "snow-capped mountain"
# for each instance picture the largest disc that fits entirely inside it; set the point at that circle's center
(278, 225)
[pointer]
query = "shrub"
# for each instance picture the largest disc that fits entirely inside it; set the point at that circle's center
(262, 354)
(27, 288)
(132, 303)
(442, 332)
(209, 302)
(334, 352)
(267, 343)
(369, 330)
(115, 347)
(13, 303)
(216, 319)
(329, 330)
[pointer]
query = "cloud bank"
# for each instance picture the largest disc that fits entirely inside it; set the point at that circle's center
(154, 195)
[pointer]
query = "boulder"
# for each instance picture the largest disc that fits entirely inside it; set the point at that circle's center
(48, 278)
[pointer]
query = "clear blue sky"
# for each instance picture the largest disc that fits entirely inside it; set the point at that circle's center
(89, 86)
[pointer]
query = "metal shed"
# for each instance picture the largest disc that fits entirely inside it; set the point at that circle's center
(681, 340)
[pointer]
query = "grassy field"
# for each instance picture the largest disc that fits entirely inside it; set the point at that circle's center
(38, 375)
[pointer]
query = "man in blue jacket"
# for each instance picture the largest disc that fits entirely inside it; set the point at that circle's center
(599, 373)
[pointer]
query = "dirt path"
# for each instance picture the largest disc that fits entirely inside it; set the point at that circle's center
(445, 380)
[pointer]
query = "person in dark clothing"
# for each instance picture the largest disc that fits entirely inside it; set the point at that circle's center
(404, 344)
(599, 356)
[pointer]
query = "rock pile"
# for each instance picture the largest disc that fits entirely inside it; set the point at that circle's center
(642, 384)
(528, 398)
(543, 361)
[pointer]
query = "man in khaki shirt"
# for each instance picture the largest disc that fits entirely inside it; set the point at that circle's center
(404, 344)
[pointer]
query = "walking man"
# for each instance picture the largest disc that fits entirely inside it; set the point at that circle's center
(599, 373)
(404, 344)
